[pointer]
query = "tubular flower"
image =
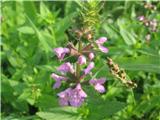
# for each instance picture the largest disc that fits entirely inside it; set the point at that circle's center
(98, 84)
(100, 43)
(89, 68)
(58, 80)
(61, 52)
(101, 40)
(64, 97)
(66, 67)
(77, 96)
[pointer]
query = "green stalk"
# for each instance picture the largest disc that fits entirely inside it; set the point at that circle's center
(78, 67)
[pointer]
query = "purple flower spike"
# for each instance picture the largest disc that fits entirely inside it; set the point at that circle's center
(82, 60)
(64, 97)
(58, 80)
(89, 68)
(91, 56)
(66, 67)
(97, 83)
(101, 40)
(60, 52)
(103, 49)
(77, 96)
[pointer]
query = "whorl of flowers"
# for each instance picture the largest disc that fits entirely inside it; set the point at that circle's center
(74, 73)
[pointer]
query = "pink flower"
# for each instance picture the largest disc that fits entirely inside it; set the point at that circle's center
(91, 56)
(100, 43)
(64, 97)
(98, 84)
(82, 60)
(101, 40)
(58, 80)
(141, 18)
(66, 67)
(77, 96)
(89, 68)
(60, 52)
(103, 49)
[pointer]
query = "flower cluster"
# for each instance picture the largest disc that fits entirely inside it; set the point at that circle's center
(74, 76)
(151, 24)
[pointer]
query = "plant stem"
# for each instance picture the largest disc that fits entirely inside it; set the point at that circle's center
(78, 67)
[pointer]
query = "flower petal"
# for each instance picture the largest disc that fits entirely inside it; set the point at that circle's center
(89, 68)
(66, 67)
(101, 40)
(100, 88)
(60, 52)
(103, 49)
(57, 84)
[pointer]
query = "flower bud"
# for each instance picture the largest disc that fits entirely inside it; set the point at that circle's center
(89, 68)
(101, 40)
(82, 60)
(91, 56)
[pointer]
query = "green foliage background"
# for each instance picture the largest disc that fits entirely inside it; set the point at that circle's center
(30, 30)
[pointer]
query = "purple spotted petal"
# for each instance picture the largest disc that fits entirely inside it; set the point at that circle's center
(60, 52)
(66, 67)
(81, 92)
(89, 68)
(64, 97)
(100, 88)
(77, 96)
(82, 60)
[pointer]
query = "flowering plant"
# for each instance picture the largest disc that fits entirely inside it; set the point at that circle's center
(72, 73)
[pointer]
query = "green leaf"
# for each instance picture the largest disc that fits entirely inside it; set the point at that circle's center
(30, 10)
(141, 63)
(126, 32)
(100, 108)
(43, 10)
(147, 105)
(43, 42)
(26, 30)
(66, 113)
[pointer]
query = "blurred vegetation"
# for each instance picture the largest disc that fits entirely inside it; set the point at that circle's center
(31, 29)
